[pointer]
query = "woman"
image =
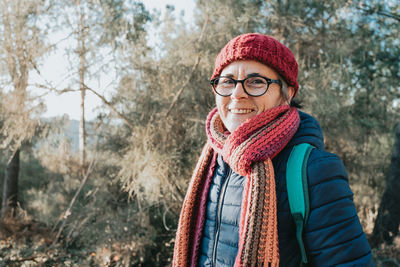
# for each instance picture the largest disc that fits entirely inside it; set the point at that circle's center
(236, 211)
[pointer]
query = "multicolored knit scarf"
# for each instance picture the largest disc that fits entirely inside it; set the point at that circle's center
(248, 151)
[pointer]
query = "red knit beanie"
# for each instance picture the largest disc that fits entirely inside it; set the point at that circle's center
(262, 48)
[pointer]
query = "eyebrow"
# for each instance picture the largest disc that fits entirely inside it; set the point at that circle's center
(254, 74)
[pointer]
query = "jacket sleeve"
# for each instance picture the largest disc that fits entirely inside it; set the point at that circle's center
(333, 233)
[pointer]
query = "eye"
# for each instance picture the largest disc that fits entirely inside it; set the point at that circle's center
(256, 81)
(225, 80)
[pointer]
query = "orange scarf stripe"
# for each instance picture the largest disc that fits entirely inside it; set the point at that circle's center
(186, 220)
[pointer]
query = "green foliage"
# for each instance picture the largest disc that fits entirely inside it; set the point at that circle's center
(121, 21)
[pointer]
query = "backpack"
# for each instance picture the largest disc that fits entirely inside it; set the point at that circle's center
(297, 188)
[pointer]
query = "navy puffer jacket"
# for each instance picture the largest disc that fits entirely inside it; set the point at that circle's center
(333, 234)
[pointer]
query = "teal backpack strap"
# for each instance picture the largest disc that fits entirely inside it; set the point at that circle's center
(297, 188)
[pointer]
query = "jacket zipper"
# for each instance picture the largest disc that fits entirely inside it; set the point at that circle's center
(218, 219)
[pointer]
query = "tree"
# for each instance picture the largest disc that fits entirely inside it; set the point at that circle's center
(10, 184)
(386, 76)
(81, 51)
(388, 221)
(80, 27)
(21, 46)
(99, 28)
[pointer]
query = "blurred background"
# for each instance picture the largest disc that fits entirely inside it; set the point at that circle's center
(102, 109)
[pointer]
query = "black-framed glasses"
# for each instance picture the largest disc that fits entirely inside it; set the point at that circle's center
(253, 86)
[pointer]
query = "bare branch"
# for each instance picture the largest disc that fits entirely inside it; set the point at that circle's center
(105, 101)
(110, 105)
(183, 86)
(68, 211)
(376, 10)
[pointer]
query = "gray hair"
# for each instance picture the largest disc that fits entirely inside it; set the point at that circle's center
(285, 94)
(284, 89)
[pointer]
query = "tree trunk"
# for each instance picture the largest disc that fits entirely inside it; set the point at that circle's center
(10, 186)
(82, 126)
(82, 70)
(388, 220)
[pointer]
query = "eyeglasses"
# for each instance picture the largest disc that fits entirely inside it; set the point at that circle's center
(253, 86)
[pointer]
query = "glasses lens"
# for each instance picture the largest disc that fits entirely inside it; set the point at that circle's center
(256, 85)
(224, 85)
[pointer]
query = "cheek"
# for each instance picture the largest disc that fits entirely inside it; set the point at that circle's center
(262, 104)
(221, 102)
(266, 102)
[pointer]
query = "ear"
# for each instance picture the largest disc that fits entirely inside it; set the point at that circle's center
(291, 91)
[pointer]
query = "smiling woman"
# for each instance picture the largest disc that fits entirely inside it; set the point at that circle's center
(236, 211)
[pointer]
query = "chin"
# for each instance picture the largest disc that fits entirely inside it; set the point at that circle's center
(233, 126)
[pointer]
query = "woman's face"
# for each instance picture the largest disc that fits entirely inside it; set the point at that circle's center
(239, 107)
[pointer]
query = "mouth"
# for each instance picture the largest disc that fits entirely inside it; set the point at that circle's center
(240, 110)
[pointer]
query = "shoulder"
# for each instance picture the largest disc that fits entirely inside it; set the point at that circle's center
(327, 179)
(309, 132)
(323, 166)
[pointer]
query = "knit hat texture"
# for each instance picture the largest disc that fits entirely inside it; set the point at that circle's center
(262, 48)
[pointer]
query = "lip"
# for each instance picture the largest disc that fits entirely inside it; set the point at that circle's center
(241, 111)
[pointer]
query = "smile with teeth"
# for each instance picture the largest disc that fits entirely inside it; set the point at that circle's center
(240, 110)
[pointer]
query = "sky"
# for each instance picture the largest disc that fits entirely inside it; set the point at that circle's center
(55, 65)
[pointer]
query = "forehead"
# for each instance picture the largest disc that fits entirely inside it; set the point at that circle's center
(245, 67)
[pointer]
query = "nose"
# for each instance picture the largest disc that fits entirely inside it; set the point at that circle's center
(238, 91)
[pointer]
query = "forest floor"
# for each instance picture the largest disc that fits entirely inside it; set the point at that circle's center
(31, 243)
